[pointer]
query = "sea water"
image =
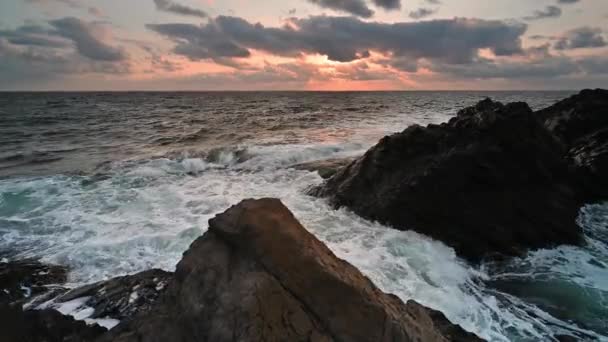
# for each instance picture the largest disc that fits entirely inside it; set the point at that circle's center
(116, 183)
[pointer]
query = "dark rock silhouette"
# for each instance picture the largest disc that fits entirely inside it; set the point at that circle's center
(581, 124)
(21, 280)
(491, 182)
(44, 326)
(258, 275)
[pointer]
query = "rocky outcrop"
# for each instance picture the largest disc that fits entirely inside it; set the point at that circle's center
(326, 168)
(122, 297)
(581, 124)
(44, 326)
(258, 275)
(491, 182)
(23, 279)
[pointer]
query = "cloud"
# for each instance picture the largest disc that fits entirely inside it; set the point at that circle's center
(582, 37)
(545, 68)
(567, 2)
(25, 66)
(346, 39)
(175, 8)
(548, 12)
(33, 35)
(388, 4)
(422, 13)
(354, 7)
(85, 38)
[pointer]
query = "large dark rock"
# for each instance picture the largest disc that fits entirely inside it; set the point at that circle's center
(491, 182)
(258, 275)
(581, 124)
(122, 297)
(23, 279)
(326, 168)
(44, 326)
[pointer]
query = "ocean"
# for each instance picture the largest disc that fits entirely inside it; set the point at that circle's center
(116, 183)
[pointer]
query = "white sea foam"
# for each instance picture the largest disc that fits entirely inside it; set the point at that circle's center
(144, 215)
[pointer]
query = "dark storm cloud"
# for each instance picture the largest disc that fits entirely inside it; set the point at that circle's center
(422, 13)
(83, 36)
(346, 38)
(582, 37)
(388, 4)
(354, 7)
(175, 8)
(548, 12)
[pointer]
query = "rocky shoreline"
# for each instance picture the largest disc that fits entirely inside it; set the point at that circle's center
(494, 182)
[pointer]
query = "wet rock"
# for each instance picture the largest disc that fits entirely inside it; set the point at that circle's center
(326, 168)
(581, 124)
(123, 297)
(258, 275)
(44, 326)
(492, 182)
(23, 279)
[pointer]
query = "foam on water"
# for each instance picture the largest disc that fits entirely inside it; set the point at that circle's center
(141, 215)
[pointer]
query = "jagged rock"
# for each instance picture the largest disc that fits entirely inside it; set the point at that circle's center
(123, 297)
(44, 326)
(23, 279)
(326, 168)
(491, 182)
(581, 123)
(258, 275)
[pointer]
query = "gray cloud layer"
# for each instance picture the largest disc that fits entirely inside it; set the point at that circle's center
(388, 4)
(175, 8)
(354, 7)
(582, 37)
(548, 12)
(346, 38)
(87, 44)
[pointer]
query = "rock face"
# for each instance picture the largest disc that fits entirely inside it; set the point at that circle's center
(258, 275)
(326, 168)
(491, 182)
(123, 297)
(20, 280)
(581, 123)
(44, 326)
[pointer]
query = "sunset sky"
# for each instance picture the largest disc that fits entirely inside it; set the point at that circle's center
(303, 44)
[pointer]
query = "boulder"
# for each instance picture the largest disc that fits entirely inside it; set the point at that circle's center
(122, 297)
(44, 326)
(492, 182)
(581, 124)
(23, 279)
(258, 275)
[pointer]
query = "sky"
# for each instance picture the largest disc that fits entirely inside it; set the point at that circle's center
(303, 44)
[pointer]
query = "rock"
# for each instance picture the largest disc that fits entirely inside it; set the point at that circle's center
(581, 123)
(577, 116)
(326, 168)
(23, 279)
(123, 297)
(44, 326)
(258, 275)
(492, 182)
